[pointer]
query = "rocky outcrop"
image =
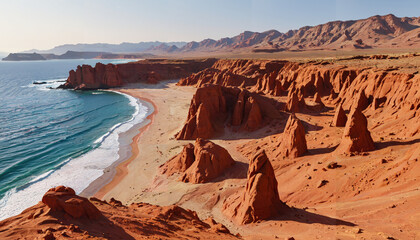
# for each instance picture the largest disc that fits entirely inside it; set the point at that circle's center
(390, 90)
(181, 162)
(64, 199)
(340, 117)
(361, 102)
(294, 103)
(212, 105)
(64, 215)
(86, 77)
(260, 199)
(293, 142)
(252, 116)
(207, 110)
(356, 137)
(200, 163)
(147, 71)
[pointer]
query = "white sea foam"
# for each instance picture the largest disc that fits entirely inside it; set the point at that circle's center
(46, 84)
(76, 173)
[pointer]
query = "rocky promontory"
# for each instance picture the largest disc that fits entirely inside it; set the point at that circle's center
(86, 77)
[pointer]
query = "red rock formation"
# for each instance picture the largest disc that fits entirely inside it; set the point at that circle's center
(394, 91)
(295, 104)
(180, 162)
(340, 117)
(208, 105)
(64, 199)
(361, 102)
(87, 77)
(199, 163)
(148, 71)
(260, 199)
(212, 104)
(53, 220)
(293, 142)
(253, 115)
(356, 137)
(238, 111)
(317, 98)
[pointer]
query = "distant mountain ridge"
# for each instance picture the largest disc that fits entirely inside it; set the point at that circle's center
(72, 55)
(373, 32)
(105, 47)
(386, 31)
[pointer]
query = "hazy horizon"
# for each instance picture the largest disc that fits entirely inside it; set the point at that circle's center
(45, 24)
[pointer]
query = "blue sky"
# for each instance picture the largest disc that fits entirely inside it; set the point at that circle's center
(43, 24)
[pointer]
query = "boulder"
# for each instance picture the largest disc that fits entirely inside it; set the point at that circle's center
(64, 199)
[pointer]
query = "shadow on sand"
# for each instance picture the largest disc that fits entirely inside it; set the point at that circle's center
(302, 216)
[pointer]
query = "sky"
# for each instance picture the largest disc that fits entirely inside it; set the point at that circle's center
(43, 24)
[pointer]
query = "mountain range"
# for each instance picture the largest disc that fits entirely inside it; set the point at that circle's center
(104, 47)
(386, 31)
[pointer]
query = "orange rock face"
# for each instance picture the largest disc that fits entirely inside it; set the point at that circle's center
(199, 163)
(148, 71)
(87, 77)
(211, 105)
(356, 137)
(260, 199)
(208, 105)
(181, 162)
(393, 91)
(340, 117)
(293, 141)
(361, 102)
(294, 104)
(252, 115)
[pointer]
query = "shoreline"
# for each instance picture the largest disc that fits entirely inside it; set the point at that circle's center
(128, 151)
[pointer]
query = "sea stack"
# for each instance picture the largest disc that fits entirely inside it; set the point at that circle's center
(260, 199)
(340, 117)
(356, 137)
(200, 163)
(293, 141)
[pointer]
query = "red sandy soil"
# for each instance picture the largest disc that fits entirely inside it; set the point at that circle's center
(64, 215)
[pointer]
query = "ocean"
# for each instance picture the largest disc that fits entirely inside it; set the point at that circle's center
(51, 137)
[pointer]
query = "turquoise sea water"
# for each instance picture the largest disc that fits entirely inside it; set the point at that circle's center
(50, 137)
